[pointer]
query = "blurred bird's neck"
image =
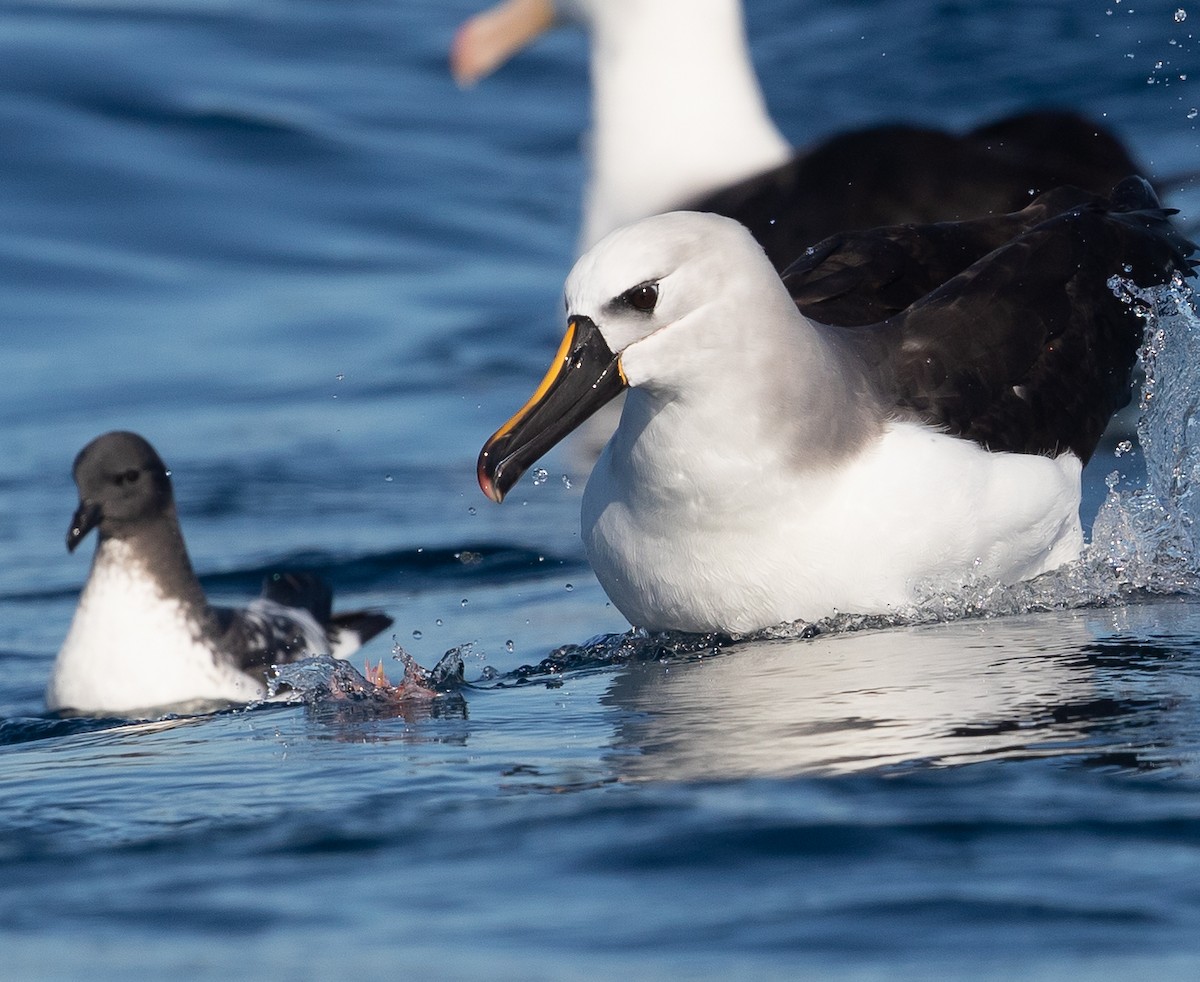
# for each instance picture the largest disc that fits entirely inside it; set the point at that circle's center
(677, 112)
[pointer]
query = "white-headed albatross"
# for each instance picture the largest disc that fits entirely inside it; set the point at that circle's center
(679, 121)
(770, 466)
(144, 638)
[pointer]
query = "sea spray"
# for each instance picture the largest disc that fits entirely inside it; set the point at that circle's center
(324, 679)
(1146, 536)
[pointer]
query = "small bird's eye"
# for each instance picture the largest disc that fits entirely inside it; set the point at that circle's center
(642, 297)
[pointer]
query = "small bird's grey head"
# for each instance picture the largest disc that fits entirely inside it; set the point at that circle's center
(122, 482)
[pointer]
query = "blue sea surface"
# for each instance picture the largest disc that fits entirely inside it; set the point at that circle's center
(275, 239)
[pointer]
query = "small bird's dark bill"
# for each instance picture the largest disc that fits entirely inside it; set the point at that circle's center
(584, 375)
(86, 518)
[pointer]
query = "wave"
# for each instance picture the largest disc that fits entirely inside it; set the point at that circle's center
(475, 564)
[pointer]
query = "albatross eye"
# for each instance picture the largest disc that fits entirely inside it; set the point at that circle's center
(127, 477)
(642, 297)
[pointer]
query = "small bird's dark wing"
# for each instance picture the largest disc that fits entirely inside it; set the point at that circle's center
(346, 631)
(857, 278)
(1029, 349)
(308, 591)
(351, 630)
(265, 633)
(292, 620)
(897, 174)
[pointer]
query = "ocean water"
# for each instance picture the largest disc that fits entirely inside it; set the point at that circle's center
(276, 240)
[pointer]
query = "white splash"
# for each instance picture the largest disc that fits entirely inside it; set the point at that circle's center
(1146, 536)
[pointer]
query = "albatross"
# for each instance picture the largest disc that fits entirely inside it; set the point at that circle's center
(679, 121)
(905, 406)
(144, 638)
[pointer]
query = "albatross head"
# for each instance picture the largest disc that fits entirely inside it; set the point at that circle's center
(654, 305)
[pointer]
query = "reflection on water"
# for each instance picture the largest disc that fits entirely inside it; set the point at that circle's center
(1070, 684)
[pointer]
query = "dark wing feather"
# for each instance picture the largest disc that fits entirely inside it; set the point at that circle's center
(363, 624)
(277, 632)
(889, 175)
(858, 278)
(256, 637)
(1028, 349)
(308, 591)
(313, 593)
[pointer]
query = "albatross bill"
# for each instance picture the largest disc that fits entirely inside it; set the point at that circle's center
(769, 467)
(583, 376)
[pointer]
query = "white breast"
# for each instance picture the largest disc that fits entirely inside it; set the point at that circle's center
(741, 554)
(130, 648)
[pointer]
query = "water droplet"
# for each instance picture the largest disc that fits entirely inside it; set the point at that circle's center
(1180, 15)
(340, 376)
(416, 635)
(509, 646)
(388, 478)
(566, 482)
(1193, 113)
(471, 510)
(1124, 447)
(540, 476)
(570, 587)
(463, 602)
(438, 622)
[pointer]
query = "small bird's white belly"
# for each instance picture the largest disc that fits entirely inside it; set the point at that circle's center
(129, 648)
(862, 537)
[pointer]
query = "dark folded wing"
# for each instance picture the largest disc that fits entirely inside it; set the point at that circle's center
(266, 633)
(352, 629)
(858, 278)
(1029, 349)
(308, 591)
(293, 619)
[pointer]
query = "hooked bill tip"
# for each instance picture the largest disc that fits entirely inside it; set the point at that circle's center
(486, 482)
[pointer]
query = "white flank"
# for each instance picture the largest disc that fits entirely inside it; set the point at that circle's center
(862, 537)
